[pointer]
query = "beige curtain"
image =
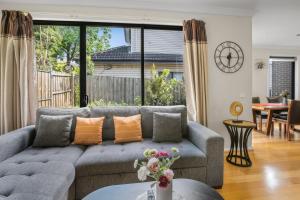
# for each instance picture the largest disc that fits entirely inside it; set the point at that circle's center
(195, 70)
(17, 91)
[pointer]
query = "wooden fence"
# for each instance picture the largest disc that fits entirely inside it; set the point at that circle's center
(55, 89)
(113, 89)
(122, 90)
(58, 89)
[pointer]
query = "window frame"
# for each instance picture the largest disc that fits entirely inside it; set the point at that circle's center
(82, 52)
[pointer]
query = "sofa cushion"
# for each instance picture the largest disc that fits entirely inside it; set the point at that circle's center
(128, 129)
(66, 154)
(110, 158)
(167, 127)
(76, 112)
(54, 131)
(88, 131)
(147, 117)
(108, 113)
(35, 180)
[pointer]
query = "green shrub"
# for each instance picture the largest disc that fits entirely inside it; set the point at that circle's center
(102, 102)
(160, 88)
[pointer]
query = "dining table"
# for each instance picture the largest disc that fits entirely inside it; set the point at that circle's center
(269, 108)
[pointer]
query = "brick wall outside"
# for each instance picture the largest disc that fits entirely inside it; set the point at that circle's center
(282, 77)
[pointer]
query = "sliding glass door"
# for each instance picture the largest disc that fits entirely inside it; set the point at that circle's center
(99, 64)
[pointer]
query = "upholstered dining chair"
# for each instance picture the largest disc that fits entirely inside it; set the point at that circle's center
(260, 115)
(292, 118)
(277, 99)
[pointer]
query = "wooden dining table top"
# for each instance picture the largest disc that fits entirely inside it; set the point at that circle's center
(269, 106)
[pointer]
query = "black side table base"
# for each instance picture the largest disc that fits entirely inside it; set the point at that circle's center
(238, 154)
(245, 160)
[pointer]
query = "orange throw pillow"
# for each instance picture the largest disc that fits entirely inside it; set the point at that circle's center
(128, 129)
(88, 131)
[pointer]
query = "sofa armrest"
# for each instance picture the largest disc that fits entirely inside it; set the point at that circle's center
(16, 141)
(212, 144)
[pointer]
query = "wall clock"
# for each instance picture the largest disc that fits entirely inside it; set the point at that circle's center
(229, 57)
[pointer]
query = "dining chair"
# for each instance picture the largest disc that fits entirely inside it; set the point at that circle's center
(275, 99)
(260, 115)
(292, 118)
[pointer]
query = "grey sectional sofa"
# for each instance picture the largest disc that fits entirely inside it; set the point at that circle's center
(71, 172)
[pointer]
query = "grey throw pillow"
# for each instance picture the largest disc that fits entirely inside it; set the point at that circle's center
(53, 131)
(76, 112)
(167, 127)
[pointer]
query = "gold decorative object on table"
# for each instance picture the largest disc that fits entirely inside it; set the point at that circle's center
(236, 109)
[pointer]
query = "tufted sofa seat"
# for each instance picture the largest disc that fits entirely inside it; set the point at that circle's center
(36, 173)
(99, 163)
(110, 158)
(35, 180)
(68, 154)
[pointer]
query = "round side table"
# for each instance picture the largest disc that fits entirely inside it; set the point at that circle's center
(239, 133)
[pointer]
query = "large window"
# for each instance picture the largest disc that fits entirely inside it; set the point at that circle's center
(82, 63)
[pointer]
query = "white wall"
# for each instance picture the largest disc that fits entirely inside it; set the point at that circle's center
(226, 88)
(260, 77)
(223, 88)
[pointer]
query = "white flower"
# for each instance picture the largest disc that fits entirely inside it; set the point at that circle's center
(152, 161)
(169, 174)
(153, 165)
(135, 164)
(146, 152)
(174, 150)
(153, 152)
(143, 172)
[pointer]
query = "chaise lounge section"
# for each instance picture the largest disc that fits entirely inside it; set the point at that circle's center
(72, 172)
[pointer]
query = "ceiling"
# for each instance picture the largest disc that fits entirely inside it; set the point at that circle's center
(275, 22)
(170, 5)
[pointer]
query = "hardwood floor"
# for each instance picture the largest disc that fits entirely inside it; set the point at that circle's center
(275, 173)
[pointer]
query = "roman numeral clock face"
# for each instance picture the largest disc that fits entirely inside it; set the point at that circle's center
(229, 57)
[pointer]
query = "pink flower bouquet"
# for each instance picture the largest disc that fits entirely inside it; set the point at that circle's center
(157, 165)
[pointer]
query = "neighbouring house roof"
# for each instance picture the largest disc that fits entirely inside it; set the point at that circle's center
(123, 54)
